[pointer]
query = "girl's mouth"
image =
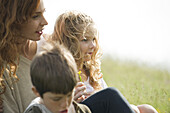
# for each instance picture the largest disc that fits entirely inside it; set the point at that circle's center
(89, 53)
(64, 111)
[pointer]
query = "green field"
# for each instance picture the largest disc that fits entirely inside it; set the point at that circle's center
(139, 83)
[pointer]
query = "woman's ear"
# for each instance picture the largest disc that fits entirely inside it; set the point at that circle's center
(35, 91)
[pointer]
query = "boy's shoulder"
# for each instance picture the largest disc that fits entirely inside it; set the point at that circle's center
(36, 107)
(33, 109)
(81, 108)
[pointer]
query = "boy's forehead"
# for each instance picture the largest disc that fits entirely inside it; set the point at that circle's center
(52, 94)
(59, 94)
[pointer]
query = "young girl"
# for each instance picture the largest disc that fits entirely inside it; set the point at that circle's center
(21, 25)
(78, 32)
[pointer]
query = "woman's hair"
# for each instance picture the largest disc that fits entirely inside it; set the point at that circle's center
(54, 70)
(69, 27)
(12, 14)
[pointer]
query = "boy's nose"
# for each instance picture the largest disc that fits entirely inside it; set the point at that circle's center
(64, 103)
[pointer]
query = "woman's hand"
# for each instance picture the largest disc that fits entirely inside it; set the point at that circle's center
(80, 92)
(1, 107)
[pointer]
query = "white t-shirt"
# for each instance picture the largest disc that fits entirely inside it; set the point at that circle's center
(89, 88)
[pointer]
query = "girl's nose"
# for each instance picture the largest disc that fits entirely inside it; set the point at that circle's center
(92, 44)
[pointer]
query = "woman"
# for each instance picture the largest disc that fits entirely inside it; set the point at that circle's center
(21, 25)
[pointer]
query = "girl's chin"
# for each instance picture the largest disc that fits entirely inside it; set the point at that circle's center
(87, 59)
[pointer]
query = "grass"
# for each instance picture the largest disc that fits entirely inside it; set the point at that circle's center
(139, 83)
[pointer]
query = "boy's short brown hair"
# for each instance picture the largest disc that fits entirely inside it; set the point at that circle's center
(54, 70)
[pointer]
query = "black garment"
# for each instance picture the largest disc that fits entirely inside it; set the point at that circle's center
(108, 100)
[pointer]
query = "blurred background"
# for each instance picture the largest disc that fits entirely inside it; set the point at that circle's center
(137, 30)
(135, 39)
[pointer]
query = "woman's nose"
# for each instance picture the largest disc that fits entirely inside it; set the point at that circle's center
(44, 21)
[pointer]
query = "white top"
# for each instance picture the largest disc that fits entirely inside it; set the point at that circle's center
(89, 88)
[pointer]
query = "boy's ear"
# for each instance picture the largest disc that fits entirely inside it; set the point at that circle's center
(35, 91)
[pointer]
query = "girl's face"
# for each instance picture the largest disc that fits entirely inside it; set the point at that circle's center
(32, 30)
(57, 103)
(88, 43)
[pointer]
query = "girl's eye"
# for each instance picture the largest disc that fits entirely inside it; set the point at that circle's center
(84, 40)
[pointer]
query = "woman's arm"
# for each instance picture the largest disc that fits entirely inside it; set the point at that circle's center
(1, 107)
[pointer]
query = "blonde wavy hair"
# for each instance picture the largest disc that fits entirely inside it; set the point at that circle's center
(69, 27)
(12, 13)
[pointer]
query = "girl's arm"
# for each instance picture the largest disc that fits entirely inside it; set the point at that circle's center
(80, 93)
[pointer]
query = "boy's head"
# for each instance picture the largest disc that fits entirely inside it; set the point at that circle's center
(54, 76)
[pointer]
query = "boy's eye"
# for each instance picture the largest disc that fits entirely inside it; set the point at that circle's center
(56, 99)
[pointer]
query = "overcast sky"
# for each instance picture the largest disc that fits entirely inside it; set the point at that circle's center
(135, 29)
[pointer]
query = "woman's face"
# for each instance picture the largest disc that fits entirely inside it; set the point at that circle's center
(88, 43)
(32, 30)
(57, 103)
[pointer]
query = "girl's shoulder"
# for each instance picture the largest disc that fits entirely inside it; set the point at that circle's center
(102, 81)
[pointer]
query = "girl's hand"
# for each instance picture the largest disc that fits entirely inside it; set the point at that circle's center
(80, 92)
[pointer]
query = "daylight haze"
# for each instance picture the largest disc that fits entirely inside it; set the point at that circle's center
(129, 29)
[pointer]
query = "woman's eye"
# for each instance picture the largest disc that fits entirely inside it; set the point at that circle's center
(35, 16)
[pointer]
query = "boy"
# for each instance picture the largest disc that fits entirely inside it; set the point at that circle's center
(54, 76)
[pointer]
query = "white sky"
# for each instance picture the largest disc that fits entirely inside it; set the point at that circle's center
(135, 29)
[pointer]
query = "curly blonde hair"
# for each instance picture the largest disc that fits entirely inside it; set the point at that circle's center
(69, 27)
(12, 13)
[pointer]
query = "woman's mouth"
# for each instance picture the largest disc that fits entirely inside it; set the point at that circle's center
(39, 32)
